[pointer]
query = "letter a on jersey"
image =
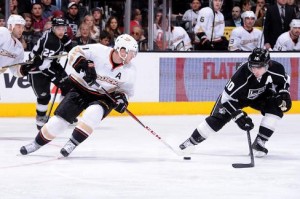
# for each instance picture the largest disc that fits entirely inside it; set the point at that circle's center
(118, 76)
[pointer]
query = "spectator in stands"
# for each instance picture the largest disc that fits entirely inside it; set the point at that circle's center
(191, 15)
(209, 29)
(297, 9)
(246, 38)
(82, 11)
(99, 22)
(24, 6)
(13, 6)
(289, 41)
(28, 33)
(73, 17)
(105, 38)
(136, 19)
(138, 34)
(95, 33)
(48, 9)
(38, 22)
(260, 10)
(84, 35)
(176, 38)
(112, 27)
(236, 20)
(246, 5)
(278, 18)
(2, 20)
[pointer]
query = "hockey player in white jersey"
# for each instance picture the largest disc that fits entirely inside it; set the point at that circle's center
(11, 49)
(289, 41)
(246, 38)
(95, 67)
(210, 28)
(191, 15)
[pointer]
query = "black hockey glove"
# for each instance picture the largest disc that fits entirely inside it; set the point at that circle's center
(36, 62)
(121, 102)
(283, 100)
(90, 73)
(242, 120)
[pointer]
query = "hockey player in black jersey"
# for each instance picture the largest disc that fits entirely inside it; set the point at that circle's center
(53, 42)
(260, 83)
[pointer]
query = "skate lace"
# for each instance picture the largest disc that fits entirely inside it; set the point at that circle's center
(32, 147)
(69, 147)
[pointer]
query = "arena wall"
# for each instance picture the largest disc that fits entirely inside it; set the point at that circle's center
(167, 83)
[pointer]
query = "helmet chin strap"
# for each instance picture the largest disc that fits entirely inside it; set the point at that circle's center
(123, 58)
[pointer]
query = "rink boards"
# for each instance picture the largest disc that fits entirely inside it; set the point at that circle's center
(167, 83)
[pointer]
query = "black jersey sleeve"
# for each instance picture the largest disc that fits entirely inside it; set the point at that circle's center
(236, 89)
(281, 79)
(67, 42)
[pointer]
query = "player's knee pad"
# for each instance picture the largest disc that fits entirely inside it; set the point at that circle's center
(92, 116)
(270, 121)
(204, 129)
(56, 125)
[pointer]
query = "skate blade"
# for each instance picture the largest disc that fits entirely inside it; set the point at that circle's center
(259, 154)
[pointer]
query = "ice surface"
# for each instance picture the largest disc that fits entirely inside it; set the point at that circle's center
(123, 160)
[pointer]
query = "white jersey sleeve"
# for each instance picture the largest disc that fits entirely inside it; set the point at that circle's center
(285, 43)
(11, 51)
(212, 24)
(180, 40)
(120, 78)
(191, 16)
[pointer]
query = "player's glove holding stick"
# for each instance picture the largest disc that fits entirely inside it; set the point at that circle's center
(36, 61)
(121, 102)
(88, 67)
(283, 100)
(242, 120)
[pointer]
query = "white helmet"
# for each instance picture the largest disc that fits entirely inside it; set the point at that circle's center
(249, 14)
(15, 19)
(127, 42)
(295, 23)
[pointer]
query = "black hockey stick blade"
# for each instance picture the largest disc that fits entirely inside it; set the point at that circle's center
(242, 165)
(251, 164)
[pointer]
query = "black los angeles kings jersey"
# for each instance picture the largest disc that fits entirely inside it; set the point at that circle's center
(49, 45)
(244, 87)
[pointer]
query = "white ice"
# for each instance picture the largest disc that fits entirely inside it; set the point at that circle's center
(122, 160)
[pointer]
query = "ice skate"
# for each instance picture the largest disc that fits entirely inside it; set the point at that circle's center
(259, 148)
(187, 147)
(40, 121)
(68, 148)
(29, 148)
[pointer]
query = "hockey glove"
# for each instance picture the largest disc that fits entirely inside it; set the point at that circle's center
(283, 100)
(242, 120)
(90, 73)
(36, 62)
(121, 102)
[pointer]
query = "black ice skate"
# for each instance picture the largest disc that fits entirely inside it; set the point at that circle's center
(29, 148)
(259, 148)
(40, 121)
(68, 148)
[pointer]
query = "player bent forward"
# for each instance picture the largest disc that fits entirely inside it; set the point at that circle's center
(252, 85)
(94, 65)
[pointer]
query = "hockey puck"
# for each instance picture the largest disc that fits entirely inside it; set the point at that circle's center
(187, 158)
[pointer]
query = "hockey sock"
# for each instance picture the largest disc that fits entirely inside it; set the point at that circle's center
(196, 138)
(40, 139)
(78, 136)
(264, 133)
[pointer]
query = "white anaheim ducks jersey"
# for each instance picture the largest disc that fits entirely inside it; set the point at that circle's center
(205, 23)
(120, 78)
(285, 43)
(243, 40)
(179, 39)
(11, 51)
(192, 16)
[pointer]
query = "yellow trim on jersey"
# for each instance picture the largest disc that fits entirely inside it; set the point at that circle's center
(137, 108)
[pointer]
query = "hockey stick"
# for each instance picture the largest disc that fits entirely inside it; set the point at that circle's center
(143, 125)
(263, 28)
(30, 62)
(213, 25)
(55, 94)
(245, 165)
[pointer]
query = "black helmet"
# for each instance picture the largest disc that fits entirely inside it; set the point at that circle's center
(59, 22)
(259, 58)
